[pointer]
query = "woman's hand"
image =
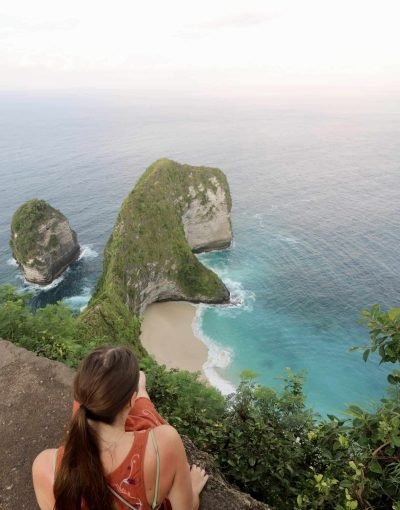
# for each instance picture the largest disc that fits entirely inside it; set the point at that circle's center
(199, 478)
(142, 380)
(142, 392)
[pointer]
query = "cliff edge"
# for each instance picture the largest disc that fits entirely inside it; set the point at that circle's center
(42, 241)
(35, 405)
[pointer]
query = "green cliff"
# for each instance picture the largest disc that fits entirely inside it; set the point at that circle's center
(173, 210)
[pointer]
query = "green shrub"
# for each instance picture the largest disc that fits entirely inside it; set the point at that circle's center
(265, 442)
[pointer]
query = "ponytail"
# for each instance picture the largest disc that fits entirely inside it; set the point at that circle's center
(80, 477)
(104, 385)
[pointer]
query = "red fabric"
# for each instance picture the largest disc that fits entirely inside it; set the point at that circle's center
(143, 415)
(128, 478)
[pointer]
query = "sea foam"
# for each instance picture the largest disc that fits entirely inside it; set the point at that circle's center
(87, 252)
(12, 262)
(36, 288)
(240, 297)
(80, 301)
(218, 357)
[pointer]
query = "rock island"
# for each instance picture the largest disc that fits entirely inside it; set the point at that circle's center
(173, 211)
(42, 241)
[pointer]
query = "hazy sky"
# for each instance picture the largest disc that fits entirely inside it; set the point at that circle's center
(214, 46)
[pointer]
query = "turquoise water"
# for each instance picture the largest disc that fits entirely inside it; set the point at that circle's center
(316, 219)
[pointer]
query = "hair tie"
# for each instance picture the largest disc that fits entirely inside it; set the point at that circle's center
(82, 406)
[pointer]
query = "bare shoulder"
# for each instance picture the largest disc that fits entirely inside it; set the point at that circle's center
(44, 462)
(169, 443)
(166, 434)
(43, 478)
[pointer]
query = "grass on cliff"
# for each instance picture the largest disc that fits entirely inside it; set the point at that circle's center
(24, 228)
(148, 244)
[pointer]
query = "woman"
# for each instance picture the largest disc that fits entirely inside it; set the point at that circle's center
(119, 453)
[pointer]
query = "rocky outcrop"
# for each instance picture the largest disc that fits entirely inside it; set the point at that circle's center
(206, 221)
(218, 494)
(173, 211)
(35, 403)
(42, 241)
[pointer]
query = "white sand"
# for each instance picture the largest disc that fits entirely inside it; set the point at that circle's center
(167, 335)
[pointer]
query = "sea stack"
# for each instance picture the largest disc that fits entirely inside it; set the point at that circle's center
(42, 241)
(173, 211)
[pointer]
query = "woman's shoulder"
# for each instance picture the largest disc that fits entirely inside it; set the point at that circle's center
(44, 462)
(169, 443)
(43, 477)
(167, 434)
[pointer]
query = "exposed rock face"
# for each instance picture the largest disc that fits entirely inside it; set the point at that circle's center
(173, 211)
(218, 494)
(35, 403)
(42, 241)
(207, 222)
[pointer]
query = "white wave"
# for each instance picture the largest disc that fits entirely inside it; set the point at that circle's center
(291, 240)
(224, 386)
(87, 252)
(240, 297)
(80, 301)
(35, 288)
(12, 262)
(218, 357)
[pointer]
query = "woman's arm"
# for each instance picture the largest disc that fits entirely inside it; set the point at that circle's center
(187, 483)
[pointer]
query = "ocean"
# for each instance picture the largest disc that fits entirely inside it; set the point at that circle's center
(316, 218)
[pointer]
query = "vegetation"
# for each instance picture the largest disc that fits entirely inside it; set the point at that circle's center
(266, 442)
(148, 244)
(53, 331)
(25, 235)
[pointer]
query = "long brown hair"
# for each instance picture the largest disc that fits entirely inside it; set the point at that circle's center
(104, 384)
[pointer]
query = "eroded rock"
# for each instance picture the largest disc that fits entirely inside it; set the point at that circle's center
(206, 221)
(42, 241)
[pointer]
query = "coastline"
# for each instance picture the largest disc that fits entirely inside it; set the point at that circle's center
(170, 334)
(167, 334)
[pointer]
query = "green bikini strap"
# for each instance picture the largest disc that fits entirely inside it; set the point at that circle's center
(153, 438)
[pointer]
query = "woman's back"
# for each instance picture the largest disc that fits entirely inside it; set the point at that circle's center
(142, 461)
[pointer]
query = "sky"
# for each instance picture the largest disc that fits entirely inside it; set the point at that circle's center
(220, 47)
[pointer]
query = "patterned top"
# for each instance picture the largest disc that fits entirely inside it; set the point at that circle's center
(128, 478)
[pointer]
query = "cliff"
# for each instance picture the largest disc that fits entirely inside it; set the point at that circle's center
(29, 383)
(173, 211)
(42, 241)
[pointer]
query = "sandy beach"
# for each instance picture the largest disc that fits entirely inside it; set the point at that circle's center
(167, 335)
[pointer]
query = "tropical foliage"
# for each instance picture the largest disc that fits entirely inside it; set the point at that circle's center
(266, 442)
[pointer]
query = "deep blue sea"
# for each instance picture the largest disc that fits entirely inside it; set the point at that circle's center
(316, 218)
